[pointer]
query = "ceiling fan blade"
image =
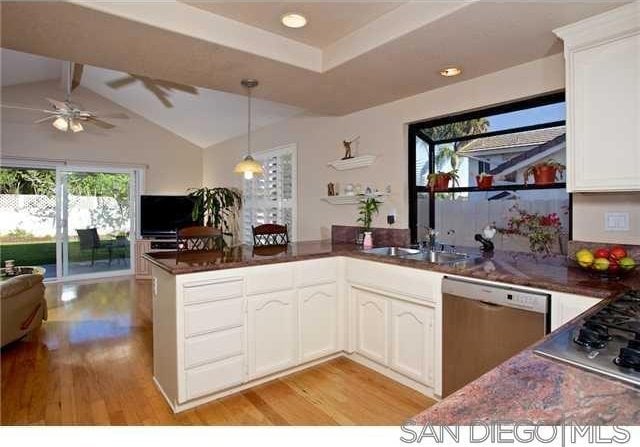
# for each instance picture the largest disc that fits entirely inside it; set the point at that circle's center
(116, 115)
(158, 92)
(77, 75)
(100, 123)
(9, 106)
(176, 86)
(118, 83)
(58, 104)
(46, 118)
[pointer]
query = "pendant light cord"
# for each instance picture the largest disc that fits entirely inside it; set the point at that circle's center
(249, 121)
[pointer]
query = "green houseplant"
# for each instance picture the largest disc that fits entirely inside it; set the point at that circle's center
(369, 206)
(216, 206)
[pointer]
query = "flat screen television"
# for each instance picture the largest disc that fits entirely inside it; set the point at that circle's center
(163, 216)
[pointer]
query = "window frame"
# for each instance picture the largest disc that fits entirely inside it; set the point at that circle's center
(414, 132)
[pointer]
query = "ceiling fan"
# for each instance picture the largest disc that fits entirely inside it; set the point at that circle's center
(160, 88)
(66, 115)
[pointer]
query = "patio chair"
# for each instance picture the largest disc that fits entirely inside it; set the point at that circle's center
(90, 240)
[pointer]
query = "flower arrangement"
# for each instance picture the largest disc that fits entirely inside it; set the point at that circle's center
(541, 229)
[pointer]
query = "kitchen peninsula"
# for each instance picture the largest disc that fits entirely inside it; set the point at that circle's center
(220, 326)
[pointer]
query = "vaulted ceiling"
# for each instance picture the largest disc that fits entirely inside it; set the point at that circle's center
(352, 55)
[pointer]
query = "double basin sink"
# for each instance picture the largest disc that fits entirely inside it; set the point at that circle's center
(435, 257)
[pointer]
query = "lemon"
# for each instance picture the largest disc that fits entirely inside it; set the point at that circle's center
(584, 257)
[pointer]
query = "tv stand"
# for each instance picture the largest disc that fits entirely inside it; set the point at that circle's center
(149, 245)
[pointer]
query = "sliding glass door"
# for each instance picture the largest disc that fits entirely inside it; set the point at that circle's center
(96, 221)
(74, 222)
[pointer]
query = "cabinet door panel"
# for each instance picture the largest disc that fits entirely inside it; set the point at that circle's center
(372, 326)
(273, 337)
(318, 321)
(412, 341)
(565, 307)
(605, 106)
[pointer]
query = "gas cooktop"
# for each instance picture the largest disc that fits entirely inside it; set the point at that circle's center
(607, 342)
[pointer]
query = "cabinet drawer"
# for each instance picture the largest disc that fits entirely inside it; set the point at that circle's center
(319, 271)
(214, 346)
(219, 290)
(213, 377)
(407, 281)
(216, 315)
(270, 278)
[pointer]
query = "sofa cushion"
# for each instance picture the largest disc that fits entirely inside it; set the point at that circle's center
(19, 284)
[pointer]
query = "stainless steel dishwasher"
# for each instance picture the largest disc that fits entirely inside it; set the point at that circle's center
(485, 325)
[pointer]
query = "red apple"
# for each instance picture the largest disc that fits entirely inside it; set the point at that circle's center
(618, 252)
(601, 253)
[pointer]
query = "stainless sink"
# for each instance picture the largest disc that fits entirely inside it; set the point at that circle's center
(435, 257)
(392, 251)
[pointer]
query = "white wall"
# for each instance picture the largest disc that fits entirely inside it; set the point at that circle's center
(174, 163)
(383, 132)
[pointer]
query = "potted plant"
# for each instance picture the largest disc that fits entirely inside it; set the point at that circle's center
(217, 207)
(369, 206)
(438, 181)
(545, 172)
(484, 180)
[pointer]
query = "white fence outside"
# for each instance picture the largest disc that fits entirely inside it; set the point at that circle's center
(36, 214)
(463, 219)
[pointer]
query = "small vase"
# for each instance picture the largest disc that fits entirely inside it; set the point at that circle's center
(368, 240)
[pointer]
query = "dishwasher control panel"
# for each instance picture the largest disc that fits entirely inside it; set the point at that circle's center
(501, 296)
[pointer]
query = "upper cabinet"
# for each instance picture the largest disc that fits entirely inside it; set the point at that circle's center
(602, 56)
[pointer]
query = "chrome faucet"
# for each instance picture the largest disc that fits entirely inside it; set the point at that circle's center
(430, 239)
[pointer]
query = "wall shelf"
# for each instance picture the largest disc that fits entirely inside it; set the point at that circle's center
(361, 161)
(351, 200)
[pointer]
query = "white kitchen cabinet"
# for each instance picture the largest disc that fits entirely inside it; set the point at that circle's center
(412, 340)
(565, 307)
(602, 56)
(372, 325)
(272, 333)
(318, 313)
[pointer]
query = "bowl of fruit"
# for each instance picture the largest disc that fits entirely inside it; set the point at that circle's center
(607, 263)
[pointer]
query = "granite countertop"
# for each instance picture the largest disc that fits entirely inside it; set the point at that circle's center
(523, 269)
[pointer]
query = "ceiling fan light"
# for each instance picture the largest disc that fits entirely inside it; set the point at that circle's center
(248, 166)
(75, 126)
(61, 124)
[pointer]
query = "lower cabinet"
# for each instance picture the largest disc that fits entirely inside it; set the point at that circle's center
(396, 333)
(412, 340)
(372, 325)
(272, 332)
(565, 307)
(318, 313)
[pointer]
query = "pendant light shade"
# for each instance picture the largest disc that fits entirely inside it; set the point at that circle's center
(248, 166)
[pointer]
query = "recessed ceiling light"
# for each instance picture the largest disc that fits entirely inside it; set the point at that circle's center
(450, 71)
(293, 20)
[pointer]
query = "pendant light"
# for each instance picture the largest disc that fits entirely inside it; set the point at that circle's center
(248, 166)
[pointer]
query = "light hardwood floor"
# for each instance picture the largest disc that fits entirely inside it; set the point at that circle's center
(91, 364)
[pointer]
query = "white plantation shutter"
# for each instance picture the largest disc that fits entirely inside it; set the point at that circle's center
(272, 197)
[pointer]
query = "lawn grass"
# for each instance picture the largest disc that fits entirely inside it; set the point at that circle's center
(42, 253)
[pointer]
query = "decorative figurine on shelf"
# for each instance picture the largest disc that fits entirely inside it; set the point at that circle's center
(347, 148)
(331, 189)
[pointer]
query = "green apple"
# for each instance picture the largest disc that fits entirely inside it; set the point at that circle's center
(627, 263)
(601, 264)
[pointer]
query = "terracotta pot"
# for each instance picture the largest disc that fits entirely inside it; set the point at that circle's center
(441, 182)
(485, 181)
(544, 175)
